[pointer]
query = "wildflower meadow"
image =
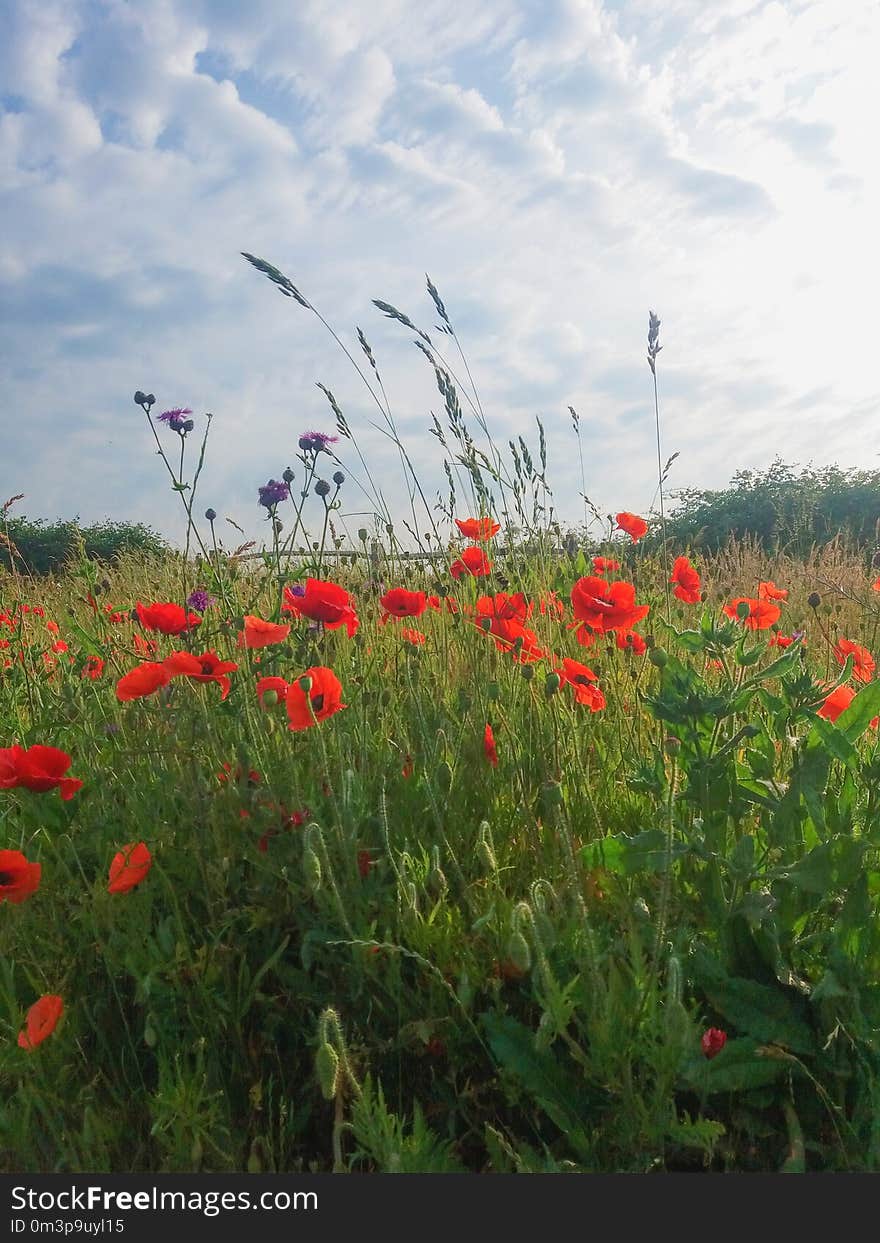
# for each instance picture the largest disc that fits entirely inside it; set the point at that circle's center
(456, 842)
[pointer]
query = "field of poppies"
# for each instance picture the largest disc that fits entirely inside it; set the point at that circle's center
(512, 857)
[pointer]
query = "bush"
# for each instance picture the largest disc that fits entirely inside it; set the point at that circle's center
(45, 547)
(781, 508)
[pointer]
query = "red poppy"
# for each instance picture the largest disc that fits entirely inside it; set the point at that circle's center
(323, 698)
(205, 668)
(415, 637)
(146, 647)
(489, 746)
(876, 585)
(835, 703)
(18, 878)
(550, 603)
(634, 526)
(581, 677)
(478, 528)
(166, 618)
(629, 641)
(507, 607)
(473, 561)
(277, 685)
(863, 661)
(437, 603)
(585, 636)
(606, 606)
(364, 863)
(323, 602)
(53, 627)
(253, 777)
(761, 616)
(145, 679)
(398, 602)
(407, 770)
(512, 636)
(604, 565)
(769, 591)
(260, 633)
(93, 668)
(781, 640)
(687, 581)
(713, 1041)
(39, 769)
(41, 1021)
(129, 867)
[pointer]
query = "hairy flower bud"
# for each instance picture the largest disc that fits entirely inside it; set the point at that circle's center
(327, 1066)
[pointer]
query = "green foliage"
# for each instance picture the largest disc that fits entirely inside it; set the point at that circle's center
(781, 507)
(47, 547)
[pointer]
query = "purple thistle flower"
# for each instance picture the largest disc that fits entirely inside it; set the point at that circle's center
(200, 600)
(317, 441)
(273, 492)
(174, 418)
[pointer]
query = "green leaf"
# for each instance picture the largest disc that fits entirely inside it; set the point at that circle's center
(858, 716)
(739, 1067)
(626, 855)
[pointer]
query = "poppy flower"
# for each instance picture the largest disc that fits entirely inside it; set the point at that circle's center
(364, 863)
(512, 636)
(166, 618)
(835, 703)
(713, 1041)
(629, 641)
(41, 1020)
(507, 607)
(398, 602)
(438, 604)
(552, 605)
(606, 606)
(634, 526)
(322, 602)
(277, 685)
(18, 878)
(582, 678)
(478, 528)
(762, 614)
(605, 565)
(780, 640)
(205, 668)
(585, 636)
(863, 661)
(260, 633)
(145, 679)
(146, 647)
(687, 581)
(876, 585)
(408, 769)
(472, 561)
(93, 668)
(489, 746)
(129, 867)
(323, 698)
(415, 637)
(253, 777)
(39, 769)
(769, 591)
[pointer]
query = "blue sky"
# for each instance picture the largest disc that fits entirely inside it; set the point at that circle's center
(558, 167)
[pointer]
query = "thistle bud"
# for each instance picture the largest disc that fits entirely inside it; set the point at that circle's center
(322, 488)
(814, 599)
(139, 398)
(287, 476)
(188, 425)
(211, 514)
(338, 478)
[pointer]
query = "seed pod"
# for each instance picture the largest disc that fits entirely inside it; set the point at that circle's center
(658, 656)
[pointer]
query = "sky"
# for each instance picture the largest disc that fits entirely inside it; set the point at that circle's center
(557, 167)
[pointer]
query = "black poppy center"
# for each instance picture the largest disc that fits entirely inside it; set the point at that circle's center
(318, 702)
(7, 878)
(207, 667)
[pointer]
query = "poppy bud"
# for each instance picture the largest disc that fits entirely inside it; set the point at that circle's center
(671, 745)
(743, 609)
(322, 488)
(386, 697)
(814, 599)
(389, 529)
(269, 699)
(493, 692)
(287, 475)
(362, 534)
(312, 868)
(518, 952)
(444, 777)
(327, 1066)
(210, 514)
(305, 683)
(551, 794)
(528, 672)
(658, 656)
(551, 684)
(713, 1041)
(486, 848)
